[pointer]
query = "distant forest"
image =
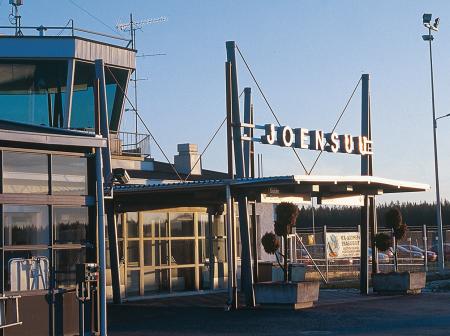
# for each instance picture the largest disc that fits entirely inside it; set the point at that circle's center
(414, 215)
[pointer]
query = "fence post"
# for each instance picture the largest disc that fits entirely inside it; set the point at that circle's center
(425, 245)
(325, 249)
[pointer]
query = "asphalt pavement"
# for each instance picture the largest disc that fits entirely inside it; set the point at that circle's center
(338, 312)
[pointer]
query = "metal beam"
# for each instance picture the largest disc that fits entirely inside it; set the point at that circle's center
(246, 255)
(368, 212)
(247, 130)
(69, 92)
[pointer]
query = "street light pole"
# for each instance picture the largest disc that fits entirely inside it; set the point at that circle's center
(429, 38)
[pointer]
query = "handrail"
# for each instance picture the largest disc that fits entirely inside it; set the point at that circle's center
(71, 28)
(310, 257)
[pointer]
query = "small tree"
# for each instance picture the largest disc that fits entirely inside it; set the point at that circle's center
(286, 217)
(383, 241)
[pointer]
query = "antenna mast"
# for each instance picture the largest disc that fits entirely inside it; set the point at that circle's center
(132, 26)
(14, 17)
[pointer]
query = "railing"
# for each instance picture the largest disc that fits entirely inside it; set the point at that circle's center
(132, 144)
(311, 252)
(68, 30)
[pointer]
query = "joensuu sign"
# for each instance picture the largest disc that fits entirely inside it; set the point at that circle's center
(303, 138)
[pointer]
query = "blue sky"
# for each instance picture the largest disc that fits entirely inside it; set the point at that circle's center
(307, 56)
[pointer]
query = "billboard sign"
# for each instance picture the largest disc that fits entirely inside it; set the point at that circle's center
(343, 245)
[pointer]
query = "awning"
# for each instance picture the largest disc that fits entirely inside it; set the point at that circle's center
(212, 192)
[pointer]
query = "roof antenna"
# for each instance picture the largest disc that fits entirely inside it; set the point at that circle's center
(131, 27)
(14, 17)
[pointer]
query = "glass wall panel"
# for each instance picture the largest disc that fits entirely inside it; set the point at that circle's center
(182, 224)
(183, 252)
(70, 224)
(148, 252)
(119, 226)
(25, 224)
(203, 225)
(83, 95)
(156, 281)
(132, 223)
(183, 279)
(161, 252)
(133, 253)
(25, 173)
(26, 270)
(32, 92)
(220, 249)
(133, 282)
(65, 266)
(156, 220)
(69, 175)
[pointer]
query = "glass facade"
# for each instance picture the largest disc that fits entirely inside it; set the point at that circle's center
(69, 175)
(25, 173)
(47, 236)
(170, 251)
(35, 92)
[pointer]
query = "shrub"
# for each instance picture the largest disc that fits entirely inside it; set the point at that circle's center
(270, 242)
(286, 217)
(394, 221)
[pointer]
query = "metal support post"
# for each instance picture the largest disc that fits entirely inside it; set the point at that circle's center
(101, 241)
(440, 247)
(368, 212)
(364, 262)
(326, 251)
(246, 255)
(113, 252)
(425, 246)
(247, 130)
(211, 252)
(102, 126)
(232, 292)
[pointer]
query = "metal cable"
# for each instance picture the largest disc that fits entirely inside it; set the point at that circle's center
(62, 30)
(145, 125)
(94, 17)
(337, 122)
(211, 140)
(268, 104)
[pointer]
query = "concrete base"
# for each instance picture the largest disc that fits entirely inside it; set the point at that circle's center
(399, 283)
(297, 273)
(296, 295)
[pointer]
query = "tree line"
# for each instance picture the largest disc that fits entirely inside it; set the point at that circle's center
(414, 215)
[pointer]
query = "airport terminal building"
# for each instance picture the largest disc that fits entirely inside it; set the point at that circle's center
(72, 182)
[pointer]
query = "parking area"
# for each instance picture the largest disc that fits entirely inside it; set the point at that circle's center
(338, 312)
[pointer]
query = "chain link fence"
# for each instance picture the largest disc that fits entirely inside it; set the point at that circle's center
(417, 251)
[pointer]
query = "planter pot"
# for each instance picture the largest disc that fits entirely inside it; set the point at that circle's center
(399, 283)
(297, 273)
(296, 295)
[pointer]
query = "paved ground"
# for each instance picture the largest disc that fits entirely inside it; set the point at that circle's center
(338, 312)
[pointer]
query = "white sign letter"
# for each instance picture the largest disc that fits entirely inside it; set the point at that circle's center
(285, 136)
(316, 140)
(300, 138)
(269, 137)
(332, 140)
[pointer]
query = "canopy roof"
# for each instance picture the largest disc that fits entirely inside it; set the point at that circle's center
(293, 187)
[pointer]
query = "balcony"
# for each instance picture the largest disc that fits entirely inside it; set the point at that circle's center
(130, 144)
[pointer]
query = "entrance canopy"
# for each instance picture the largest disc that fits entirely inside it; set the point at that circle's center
(295, 188)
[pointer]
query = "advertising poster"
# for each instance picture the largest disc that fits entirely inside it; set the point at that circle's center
(343, 245)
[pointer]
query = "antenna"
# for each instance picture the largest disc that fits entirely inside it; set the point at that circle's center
(14, 17)
(131, 27)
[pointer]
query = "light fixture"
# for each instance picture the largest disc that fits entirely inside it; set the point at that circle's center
(426, 19)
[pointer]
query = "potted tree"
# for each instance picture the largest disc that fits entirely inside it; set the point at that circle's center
(395, 282)
(298, 295)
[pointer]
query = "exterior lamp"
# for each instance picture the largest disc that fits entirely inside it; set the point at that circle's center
(440, 248)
